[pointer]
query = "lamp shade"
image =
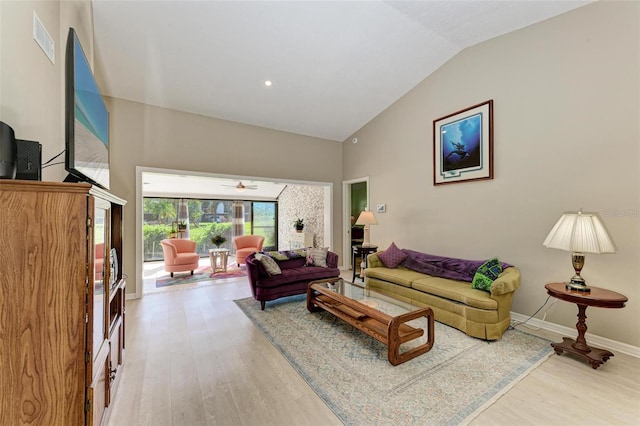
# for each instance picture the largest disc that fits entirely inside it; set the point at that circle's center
(366, 218)
(579, 232)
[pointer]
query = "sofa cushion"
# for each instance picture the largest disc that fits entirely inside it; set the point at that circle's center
(392, 256)
(291, 263)
(295, 254)
(308, 260)
(186, 258)
(459, 291)
(317, 257)
(270, 266)
(487, 274)
(276, 255)
(293, 275)
(400, 276)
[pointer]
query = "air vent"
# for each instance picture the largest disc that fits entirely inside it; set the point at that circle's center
(44, 40)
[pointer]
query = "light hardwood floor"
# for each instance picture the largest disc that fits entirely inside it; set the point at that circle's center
(193, 358)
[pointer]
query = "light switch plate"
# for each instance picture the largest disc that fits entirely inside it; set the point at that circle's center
(381, 208)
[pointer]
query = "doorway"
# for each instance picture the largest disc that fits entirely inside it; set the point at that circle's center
(356, 199)
(171, 183)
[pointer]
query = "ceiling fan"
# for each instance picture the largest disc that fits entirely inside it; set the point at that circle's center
(241, 187)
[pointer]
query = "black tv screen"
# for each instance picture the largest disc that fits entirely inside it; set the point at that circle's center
(87, 120)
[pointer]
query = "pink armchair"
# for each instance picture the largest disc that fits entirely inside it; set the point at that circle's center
(179, 255)
(99, 261)
(247, 244)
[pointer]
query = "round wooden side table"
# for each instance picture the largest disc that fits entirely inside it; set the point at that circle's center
(361, 251)
(598, 297)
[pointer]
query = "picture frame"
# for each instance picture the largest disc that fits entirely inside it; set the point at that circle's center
(463, 145)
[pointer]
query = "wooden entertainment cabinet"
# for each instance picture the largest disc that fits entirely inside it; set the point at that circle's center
(62, 302)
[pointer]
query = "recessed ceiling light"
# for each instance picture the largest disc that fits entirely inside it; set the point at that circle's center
(268, 83)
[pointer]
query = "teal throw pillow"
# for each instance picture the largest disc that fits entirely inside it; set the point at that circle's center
(486, 274)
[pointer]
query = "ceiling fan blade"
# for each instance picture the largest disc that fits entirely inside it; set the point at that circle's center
(241, 186)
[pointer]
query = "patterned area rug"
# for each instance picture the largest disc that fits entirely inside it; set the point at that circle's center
(203, 273)
(449, 385)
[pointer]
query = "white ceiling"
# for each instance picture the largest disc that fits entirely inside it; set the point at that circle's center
(335, 65)
(175, 184)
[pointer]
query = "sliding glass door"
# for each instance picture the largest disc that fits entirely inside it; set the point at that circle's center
(200, 220)
(265, 222)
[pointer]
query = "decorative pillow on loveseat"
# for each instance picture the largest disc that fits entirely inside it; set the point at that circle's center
(296, 253)
(317, 257)
(486, 274)
(392, 256)
(275, 255)
(270, 266)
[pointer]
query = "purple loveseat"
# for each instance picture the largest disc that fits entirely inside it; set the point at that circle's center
(294, 279)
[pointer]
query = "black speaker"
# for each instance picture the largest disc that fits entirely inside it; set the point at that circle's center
(8, 152)
(29, 160)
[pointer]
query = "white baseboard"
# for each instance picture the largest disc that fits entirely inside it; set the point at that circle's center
(597, 341)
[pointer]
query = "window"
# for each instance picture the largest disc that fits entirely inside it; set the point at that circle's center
(206, 218)
(265, 223)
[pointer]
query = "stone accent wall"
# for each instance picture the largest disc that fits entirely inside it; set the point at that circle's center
(305, 202)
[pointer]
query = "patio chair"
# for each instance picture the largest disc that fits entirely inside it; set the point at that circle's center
(179, 255)
(247, 244)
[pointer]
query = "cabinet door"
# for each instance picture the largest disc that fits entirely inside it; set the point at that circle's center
(98, 292)
(98, 297)
(43, 296)
(97, 394)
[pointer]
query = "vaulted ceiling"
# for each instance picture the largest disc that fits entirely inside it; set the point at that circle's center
(334, 65)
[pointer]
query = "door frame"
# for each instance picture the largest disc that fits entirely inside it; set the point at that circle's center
(346, 218)
(139, 212)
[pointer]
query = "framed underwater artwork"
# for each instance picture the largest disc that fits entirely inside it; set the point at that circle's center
(463, 145)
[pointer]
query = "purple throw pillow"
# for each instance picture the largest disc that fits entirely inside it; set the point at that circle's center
(392, 256)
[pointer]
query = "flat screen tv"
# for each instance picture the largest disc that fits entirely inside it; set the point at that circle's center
(86, 120)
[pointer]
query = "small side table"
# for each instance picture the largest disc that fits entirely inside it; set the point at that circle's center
(598, 297)
(361, 251)
(218, 259)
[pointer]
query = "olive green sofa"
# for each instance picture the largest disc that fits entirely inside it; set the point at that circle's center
(477, 313)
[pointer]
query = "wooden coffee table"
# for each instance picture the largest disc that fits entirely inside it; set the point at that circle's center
(364, 309)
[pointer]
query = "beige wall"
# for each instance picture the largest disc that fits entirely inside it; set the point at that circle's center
(567, 136)
(31, 87)
(143, 135)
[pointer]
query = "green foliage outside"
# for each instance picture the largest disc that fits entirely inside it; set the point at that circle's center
(202, 235)
(163, 209)
(152, 235)
(160, 213)
(195, 210)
